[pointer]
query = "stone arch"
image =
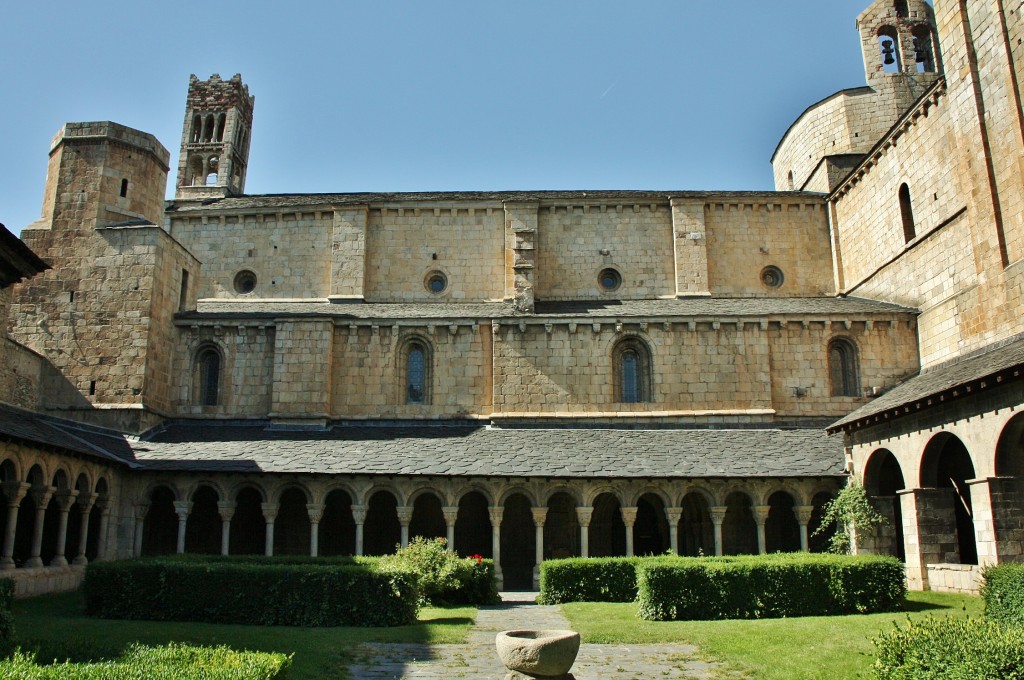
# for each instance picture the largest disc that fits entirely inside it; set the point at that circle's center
(632, 372)
(400, 498)
(739, 530)
(473, 525)
(696, 530)
(553, 489)
(883, 480)
(428, 515)
(650, 533)
(248, 526)
(821, 541)
(1010, 449)
(843, 367)
(517, 489)
(337, 526)
(946, 465)
(781, 529)
(561, 526)
(518, 540)
(416, 368)
(383, 531)
(594, 492)
(292, 525)
(665, 498)
(160, 527)
(607, 530)
(464, 491)
(10, 470)
(207, 374)
(203, 527)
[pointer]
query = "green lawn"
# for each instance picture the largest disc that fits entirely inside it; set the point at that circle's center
(810, 647)
(56, 625)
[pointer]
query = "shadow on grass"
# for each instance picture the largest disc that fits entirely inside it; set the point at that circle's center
(912, 606)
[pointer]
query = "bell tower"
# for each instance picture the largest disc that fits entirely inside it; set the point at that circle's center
(901, 51)
(215, 138)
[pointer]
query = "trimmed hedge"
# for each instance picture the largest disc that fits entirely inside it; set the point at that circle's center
(1003, 592)
(445, 579)
(951, 648)
(602, 579)
(6, 618)
(250, 593)
(173, 662)
(770, 586)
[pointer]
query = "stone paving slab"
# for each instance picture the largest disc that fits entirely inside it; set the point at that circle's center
(478, 659)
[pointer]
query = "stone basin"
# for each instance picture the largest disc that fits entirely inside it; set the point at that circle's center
(538, 653)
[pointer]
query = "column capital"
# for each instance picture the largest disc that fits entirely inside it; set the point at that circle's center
(540, 515)
(803, 513)
(65, 497)
(42, 495)
(404, 514)
(496, 512)
(358, 514)
(584, 514)
(226, 510)
(628, 516)
(270, 511)
(141, 508)
(673, 515)
(718, 514)
(451, 513)
(315, 512)
(14, 492)
(86, 501)
(761, 513)
(182, 509)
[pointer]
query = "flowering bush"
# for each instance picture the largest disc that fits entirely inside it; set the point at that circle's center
(445, 578)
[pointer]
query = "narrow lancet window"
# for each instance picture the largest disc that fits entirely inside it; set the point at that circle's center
(907, 215)
(416, 375)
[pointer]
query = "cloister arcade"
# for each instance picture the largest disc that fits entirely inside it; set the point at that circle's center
(518, 523)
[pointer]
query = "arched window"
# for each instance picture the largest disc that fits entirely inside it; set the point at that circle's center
(924, 52)
(208, 128)
(197, 128)
(791, 183)
(212, 170)
(889, 44)
(907, 214)
(631, 360)
(221, 120)
(208, 376)
(416, 384)
(842, 368)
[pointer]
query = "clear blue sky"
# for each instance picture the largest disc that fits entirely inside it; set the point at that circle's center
(409, 95)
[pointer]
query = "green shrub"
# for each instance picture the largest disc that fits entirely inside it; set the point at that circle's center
(172, 662)
(950, 649)
(1002, 588)
(6, 618)
(251, 593)
(769, 586)
(444, 577)
(603, 579)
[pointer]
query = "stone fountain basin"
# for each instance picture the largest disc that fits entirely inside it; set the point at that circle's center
(543, 653)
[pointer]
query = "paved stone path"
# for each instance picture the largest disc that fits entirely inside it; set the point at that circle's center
(478, 660)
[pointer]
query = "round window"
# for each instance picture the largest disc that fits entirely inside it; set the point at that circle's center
(772, 277)
(436, 282)
(245, 282)
(609, 279)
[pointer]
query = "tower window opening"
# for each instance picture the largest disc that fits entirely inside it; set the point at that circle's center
(208, 367)
(183, 294)
(92, 388)
(124, 188)
(792, 185)
(212, 170)
(197, 129)
(907, 214)
(924, 53)
(221, 119)
(889, 45)
(208, 126)
(901, 9)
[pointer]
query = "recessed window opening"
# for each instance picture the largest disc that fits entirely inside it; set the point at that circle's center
(183, 293)
(901, 8)
(197, 129)
(772, 277)
(631, 361)
(416, 375)
(208, 128)
(907, 214)
(92, 388)
(843, 368)
(245, 282)
(221, 119)
(791, 184)
(609, 279)
(208, 361)
(889, 45)
(211, 170)
(436, 282)
(924, 51)
(124, 188)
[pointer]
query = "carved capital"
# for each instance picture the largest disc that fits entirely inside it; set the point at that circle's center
(496, 513)
(673, 515)
(359, 514)
(182, 509)
(450, 515)
(404, 514)
(86, 501)
(14, 492)
(226, 510)
(270, 511)
(761, 513)
(803, 514)
(718, 514)
(628, 516)
(315, 511)
(584, 515)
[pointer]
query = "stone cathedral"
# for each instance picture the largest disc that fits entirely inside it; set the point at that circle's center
(535, 374)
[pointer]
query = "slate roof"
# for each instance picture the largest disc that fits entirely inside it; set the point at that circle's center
(492, 452)
(17, 261)
(941, 379)
(64, 436)
(285, 201)
(597, 309)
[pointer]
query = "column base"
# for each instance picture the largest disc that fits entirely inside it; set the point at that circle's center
(59, 561)
(80, 561)
(34, 562)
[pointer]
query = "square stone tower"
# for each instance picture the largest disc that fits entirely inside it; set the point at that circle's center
(215, 138)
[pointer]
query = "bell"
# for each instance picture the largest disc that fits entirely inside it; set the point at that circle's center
(888, 52)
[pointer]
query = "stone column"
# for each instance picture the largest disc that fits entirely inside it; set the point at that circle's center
(540, 516)
(760, 517)
(64, 500)
(629, 519)
(404, 518)
(496, 512)
(450, 515)
(359, 517)
(226, 510)
(13, 492)
(583, 515)
(1006, 499)
(41, 495)
(316, 513)
(269, 515)
(717, 518)
(673, 515)
(928, 531)
(803, 517)
(141, 509)
(104, 504)
(86, 504)
(182, 509)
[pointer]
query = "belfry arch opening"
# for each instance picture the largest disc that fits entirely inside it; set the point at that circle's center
(889, 47)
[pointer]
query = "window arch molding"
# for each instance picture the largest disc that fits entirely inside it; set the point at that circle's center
(843, 367)
(416, 371)
(632, 376)
(208, 375)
